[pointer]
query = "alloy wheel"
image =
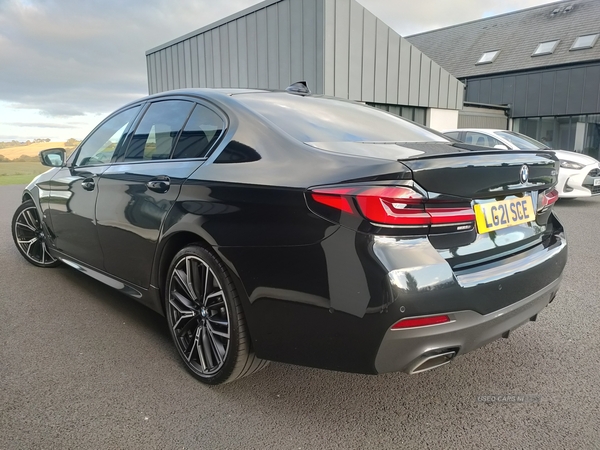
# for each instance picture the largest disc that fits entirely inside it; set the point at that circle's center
(30, 237)
(198, 315)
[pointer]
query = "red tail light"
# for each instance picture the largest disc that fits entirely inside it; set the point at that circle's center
(415, 322)
(547, 199)
(396, 206)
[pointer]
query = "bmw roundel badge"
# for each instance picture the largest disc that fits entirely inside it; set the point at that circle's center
(524, 175)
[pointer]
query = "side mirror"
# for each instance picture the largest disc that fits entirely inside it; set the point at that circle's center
(501, 147)
(53, 157)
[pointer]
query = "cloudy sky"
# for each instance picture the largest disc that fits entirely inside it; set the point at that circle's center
(65, 64)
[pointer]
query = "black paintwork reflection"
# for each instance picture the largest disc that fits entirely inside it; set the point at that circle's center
(322, 119)
(247, 215)
(484, 175)
(417, 279)
(319, 291)
(130, 215)
(71, 213)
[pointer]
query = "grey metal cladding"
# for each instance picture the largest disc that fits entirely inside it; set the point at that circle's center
(366, 60)
(425, 79)
(337, 46)
(445, 80)
(252, 45)
(545, 92)
(368, 57)
(393, 68)
(269, 46)
(434, 83)
(381, 61)
(591, 90)
(355, 51)
(341, 44)
(329, 48)
(404, 74)
(534, 88)
(285, 44)
(516, 35)
(575, 98)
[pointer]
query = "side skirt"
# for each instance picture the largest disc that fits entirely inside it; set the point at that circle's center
(147, 297)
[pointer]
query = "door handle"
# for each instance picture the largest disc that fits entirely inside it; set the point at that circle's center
(88, 184)
(159, 184)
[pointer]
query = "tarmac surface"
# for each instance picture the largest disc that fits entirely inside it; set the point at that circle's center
(84, 367)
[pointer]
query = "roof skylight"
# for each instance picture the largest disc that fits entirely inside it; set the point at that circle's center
(587, 41)
(546, 48)
(488, 57)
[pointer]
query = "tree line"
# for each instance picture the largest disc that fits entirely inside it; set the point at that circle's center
(22, 158)
(14, 143)
(69, 145)
(71, 142)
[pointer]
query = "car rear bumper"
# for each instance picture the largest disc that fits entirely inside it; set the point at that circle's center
(343, 321)
(411, 350)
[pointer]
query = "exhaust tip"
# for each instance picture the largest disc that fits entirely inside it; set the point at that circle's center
(425, 363)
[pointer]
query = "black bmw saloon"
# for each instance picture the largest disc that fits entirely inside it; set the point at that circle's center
(285, 226)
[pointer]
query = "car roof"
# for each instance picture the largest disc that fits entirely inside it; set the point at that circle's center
(208, 93)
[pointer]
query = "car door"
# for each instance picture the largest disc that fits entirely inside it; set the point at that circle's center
(71, 203)
(138, 191)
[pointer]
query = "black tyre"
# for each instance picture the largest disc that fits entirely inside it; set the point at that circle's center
(206, 319)
(30, 237)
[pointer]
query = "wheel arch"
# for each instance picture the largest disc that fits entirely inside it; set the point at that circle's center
(27, 196)
(32, 193)
(167, 250)
(171, 245)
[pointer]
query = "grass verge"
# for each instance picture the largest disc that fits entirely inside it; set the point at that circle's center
(19, 172)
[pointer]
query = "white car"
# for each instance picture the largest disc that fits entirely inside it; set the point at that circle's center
(579, 175)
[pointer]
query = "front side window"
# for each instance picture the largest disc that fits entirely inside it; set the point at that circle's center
(157, 132)
(100, 146)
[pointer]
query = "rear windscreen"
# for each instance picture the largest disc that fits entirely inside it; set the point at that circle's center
(320, 119)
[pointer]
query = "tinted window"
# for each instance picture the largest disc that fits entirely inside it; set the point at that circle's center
(522, 142)
(156, 134)
(201, 131)
(481, 139)
(453, 134)
(318, 119)
(100, 146)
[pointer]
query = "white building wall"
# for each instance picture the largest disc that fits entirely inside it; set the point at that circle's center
(442, 119)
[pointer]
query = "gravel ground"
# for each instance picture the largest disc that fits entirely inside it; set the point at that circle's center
(82, 366)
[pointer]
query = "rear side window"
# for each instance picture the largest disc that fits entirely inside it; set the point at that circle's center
(453, 134)
(320, 119)
(481, 139)
(157, 132)
(201, 131)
